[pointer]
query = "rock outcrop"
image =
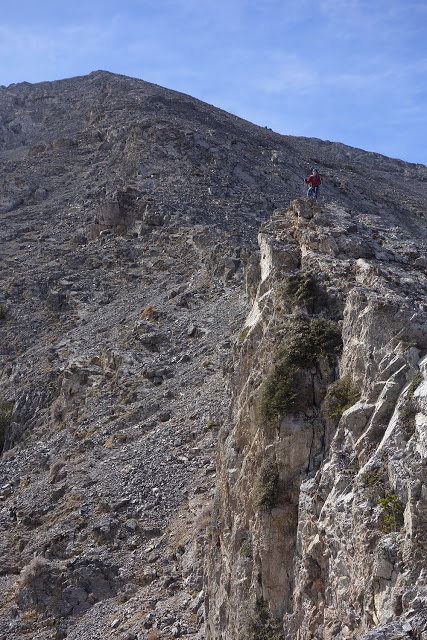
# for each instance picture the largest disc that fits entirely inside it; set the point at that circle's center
(321, 506)
(139, 323)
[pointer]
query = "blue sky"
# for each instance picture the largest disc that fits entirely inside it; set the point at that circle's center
(353, 71)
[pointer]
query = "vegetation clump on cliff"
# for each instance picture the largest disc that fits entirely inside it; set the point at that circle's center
(409, 407)
(307, 340)
(265, 489)
(260, 624)
(6, 409)
(342, 394)
(246, 549)
(377, 486)
(302, 288)
(392, 512)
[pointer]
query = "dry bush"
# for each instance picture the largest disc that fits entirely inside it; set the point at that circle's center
(58, 411)
(55, 468)
(33, 571)
(148, 311)
(120, 438)
(9, 454)
(204, 518)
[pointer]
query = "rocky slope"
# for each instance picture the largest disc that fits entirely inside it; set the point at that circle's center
(129, 266)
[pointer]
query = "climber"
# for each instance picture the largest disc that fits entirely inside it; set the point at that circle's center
(314, 181)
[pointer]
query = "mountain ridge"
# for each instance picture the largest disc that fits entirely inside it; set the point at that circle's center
(110, 74)
(138, 319)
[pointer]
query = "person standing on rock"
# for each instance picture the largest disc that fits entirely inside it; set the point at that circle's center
(314, 181)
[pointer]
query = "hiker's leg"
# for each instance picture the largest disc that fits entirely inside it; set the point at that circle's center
(310, 192)
(316, 191)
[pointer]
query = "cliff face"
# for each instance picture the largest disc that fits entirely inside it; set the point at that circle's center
(321, 519)
(129, 262)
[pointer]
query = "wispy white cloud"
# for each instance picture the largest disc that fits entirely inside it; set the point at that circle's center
(38, 40)
(282, 73)
(71, 46)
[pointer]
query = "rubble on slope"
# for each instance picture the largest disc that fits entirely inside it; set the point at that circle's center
(128, 263)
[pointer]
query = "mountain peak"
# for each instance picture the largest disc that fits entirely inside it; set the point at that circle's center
(161, 271)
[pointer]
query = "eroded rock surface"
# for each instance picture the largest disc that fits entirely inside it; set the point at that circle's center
(339, 550)
(135, 306)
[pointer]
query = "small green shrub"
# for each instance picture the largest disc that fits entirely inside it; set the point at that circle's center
(279, 392)
(326, 337)
(6, 409)
(260, 624)
(266, 486)
(211, 424)
(3, 312)
(216, 515)
(373, 477)
(375, 482)
(408, 342)
(302, 288)
(246, 548)
(243, 335)
(393, 512)
(307, 340)
(408, 409)
(414, 384)
(342, 394)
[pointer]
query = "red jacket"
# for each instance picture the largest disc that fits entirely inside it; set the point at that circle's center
(314, 180)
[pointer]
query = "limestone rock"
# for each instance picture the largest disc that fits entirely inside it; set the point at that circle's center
(329, 557)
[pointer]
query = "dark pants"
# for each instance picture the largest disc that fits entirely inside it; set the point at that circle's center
(313, 192)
